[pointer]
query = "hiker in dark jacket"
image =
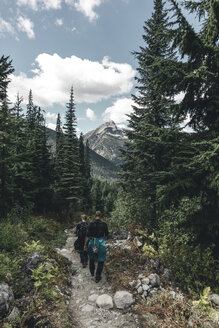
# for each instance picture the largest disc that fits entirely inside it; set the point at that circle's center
(81, 232)
(95, 244)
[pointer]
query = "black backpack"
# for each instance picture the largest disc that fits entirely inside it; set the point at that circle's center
(82, 231)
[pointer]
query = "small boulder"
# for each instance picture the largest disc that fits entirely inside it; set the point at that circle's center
(137, 242)
(92, 298)
(6, 297)
(167, 274)
(154, 280)
(123, 299)
(214, 298)
(120, 235)
(141, 276)
(33, 262)
(145, 287)
(145, 281)
(132, 283)
(140, 290)
(104, 301)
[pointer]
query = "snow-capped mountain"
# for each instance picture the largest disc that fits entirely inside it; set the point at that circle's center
(107, 140)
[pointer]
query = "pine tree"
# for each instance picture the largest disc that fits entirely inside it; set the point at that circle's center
(19, 155)
(6, 127)
(87, 169)
(71, 169)
(152, 120)
(38, 162)
(59, 156)
(200, 81)
(194, 176)
(5, 158)
(5, 70)
(42, 165)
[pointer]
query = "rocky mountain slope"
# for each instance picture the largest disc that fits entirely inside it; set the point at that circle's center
(107, 140)
(102, 167)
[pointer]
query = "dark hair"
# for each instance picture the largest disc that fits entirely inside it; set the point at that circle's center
(98, 213)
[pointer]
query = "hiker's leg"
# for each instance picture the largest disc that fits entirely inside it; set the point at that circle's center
(85, 257)
(99, 270)
(81, 256)
(92, 266)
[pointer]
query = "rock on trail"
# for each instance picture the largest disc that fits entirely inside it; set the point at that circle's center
(86, 307)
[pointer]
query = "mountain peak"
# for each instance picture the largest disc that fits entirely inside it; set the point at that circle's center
(106, 141)
(108, 125)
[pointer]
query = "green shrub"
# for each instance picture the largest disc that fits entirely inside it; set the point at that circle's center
(192, 263)
(47, 231)
(33, 246)
(45, 280)
(37, 227)
(11, 236)
(192, 266)
(8, 267)
(128, 210)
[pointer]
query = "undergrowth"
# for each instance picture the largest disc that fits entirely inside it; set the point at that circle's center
(45, 288)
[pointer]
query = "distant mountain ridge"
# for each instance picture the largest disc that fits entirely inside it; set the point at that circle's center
(104, 143)
(107, 140)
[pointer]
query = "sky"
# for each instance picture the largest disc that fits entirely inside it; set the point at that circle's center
(87, 44)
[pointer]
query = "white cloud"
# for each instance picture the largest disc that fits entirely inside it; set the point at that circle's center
(122, 126)
(92, 81)
(59, 22)
(86, 7)
(51, 116)
(40, 4)
(118, 112)
(51, 126)
(178, 98)
(90, 114)
(5, 27)
(26, 25)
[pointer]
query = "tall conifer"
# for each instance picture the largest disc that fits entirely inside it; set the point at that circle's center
(71, 169)
(152, 119)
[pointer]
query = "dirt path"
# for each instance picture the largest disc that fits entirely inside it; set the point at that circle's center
(84, 292)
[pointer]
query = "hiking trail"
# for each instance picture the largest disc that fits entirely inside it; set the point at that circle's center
(84, 292)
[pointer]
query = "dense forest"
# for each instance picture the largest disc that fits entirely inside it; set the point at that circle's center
(169, 179)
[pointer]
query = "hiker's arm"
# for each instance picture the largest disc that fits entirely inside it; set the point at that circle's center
(86, 242)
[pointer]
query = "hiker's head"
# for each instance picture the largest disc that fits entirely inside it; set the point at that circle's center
(98, 214)
(83, 217)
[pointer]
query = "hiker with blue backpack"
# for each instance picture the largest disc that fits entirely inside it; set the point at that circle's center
(81, 232)
(95, 245)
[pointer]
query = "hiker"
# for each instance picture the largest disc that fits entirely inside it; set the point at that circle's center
(81, 232)
(95, 244)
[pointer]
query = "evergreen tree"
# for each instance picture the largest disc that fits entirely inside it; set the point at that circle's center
(19, 155)
(5, 158)
(87, 169)
(194, 175)
(6, 127)
(71, 169)
(200, 81)
(5, 70)
(152, 120)
(42, 164)
(97, 199)
(59, 156)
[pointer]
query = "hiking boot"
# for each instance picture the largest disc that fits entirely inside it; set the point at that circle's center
(84, 265)
(97, 279)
